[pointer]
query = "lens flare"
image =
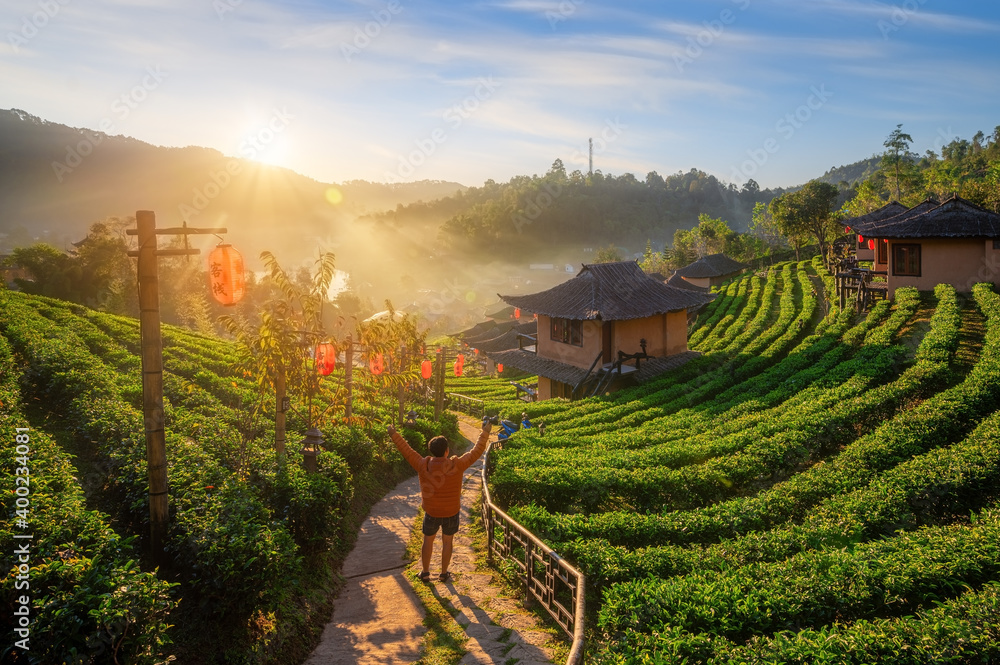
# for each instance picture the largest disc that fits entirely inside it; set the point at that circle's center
(334, 196)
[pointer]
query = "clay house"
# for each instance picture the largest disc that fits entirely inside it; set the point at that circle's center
(860, 243)
(955, 242)
(711, 270)
(610, 326)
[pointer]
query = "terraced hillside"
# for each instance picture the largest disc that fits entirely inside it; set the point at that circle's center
(816, 487)
(252, 536)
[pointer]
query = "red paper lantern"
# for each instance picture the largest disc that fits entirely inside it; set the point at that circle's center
(225, 275)
(500, 367)
(861, 239)
(871, 244)
(376, 364)
(847, 229)
(426, 369)
(476, 351)
(326, 358)
(459, 364)
(517, 313)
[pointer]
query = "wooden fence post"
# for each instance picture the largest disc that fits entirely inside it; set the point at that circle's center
(349, 377)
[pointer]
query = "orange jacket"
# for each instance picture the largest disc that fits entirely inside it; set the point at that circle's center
(441, 477)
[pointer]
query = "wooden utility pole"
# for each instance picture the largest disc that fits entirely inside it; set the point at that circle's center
(349, 376)
(439, 385)
(402, 387)
(279, 411)
(152, 366)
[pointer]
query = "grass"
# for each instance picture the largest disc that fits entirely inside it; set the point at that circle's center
(444, 643)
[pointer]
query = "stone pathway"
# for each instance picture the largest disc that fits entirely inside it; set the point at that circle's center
(377, 618)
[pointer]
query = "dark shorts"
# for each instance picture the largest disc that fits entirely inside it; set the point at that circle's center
(448, 525)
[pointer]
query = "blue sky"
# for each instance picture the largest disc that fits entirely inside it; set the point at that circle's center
(777, 90)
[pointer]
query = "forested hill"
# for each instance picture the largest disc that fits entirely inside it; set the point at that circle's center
(538, 212)
(60, 179)
(852, 173)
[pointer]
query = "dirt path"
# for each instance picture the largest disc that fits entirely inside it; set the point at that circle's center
(377, 618)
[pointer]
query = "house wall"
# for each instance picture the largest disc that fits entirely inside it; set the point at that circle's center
(544, 388)
(677, 332)
(880, 265)
(704, 282)
(665, 334)
(628, 333)
(960, 262)
(862, 251)
(580, 356)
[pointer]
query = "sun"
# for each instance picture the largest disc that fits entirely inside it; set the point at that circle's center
(266, 142)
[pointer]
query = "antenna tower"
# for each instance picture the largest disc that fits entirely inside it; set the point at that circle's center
(590, 142)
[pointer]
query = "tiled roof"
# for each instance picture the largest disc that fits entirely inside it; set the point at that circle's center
(476, 330)
(491, 333)
(713, 265)
(502, 314)
(610, 292)
(507, 340)
(955, 218)
(572, 375)
(890, 209)
(535, 364)
(650, 369)
(872, 226)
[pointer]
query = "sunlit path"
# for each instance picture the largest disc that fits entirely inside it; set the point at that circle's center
(378, 618)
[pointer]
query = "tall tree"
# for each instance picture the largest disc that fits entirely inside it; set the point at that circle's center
(608, 254)
(897, 153)
(806, 213)
(765, 228)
